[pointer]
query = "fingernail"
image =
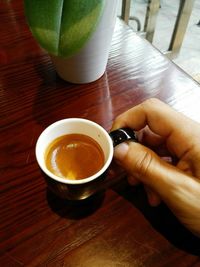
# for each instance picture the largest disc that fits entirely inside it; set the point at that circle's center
(120, 151)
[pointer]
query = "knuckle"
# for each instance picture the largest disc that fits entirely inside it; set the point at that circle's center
(144, 164)
(151, 102)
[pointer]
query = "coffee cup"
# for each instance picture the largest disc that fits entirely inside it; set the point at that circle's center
(77, 189)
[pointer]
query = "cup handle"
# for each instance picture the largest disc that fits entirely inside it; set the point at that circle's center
(123, 134)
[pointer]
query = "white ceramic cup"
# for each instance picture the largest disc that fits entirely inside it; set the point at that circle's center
(83, 188)
(63, 187)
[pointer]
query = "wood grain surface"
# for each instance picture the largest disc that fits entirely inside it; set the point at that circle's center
(116, 227)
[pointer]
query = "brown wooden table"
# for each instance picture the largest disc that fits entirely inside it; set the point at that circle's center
(116, 227)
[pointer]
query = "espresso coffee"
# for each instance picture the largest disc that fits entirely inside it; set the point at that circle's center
(74, 156)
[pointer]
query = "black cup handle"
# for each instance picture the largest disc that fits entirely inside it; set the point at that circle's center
(123, 134)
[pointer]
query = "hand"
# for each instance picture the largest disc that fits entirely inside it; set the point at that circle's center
(178, 186)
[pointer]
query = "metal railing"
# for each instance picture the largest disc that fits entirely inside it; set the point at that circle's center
(153, 6)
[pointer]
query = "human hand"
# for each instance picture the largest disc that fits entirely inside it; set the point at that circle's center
(178, 186)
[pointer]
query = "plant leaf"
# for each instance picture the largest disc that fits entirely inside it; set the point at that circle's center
(62, 27)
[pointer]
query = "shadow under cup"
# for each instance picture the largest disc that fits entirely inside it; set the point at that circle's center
(67, 188)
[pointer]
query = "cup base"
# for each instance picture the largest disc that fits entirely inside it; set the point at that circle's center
(68, 70)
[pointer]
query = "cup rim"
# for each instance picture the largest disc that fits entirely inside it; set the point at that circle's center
(69, 181)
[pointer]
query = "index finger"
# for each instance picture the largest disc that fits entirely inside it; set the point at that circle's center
(163, 121)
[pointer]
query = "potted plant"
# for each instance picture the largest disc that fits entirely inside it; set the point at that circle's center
(76, 33)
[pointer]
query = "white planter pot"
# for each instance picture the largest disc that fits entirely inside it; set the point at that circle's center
(90, 62)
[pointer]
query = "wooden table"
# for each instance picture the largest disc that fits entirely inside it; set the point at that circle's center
(114, 228)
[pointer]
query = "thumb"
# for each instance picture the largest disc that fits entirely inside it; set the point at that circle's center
(125, 155)
(177, 189)
(147, 167)
(139, 161)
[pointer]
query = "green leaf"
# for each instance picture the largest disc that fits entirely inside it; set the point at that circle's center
(62, 27)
